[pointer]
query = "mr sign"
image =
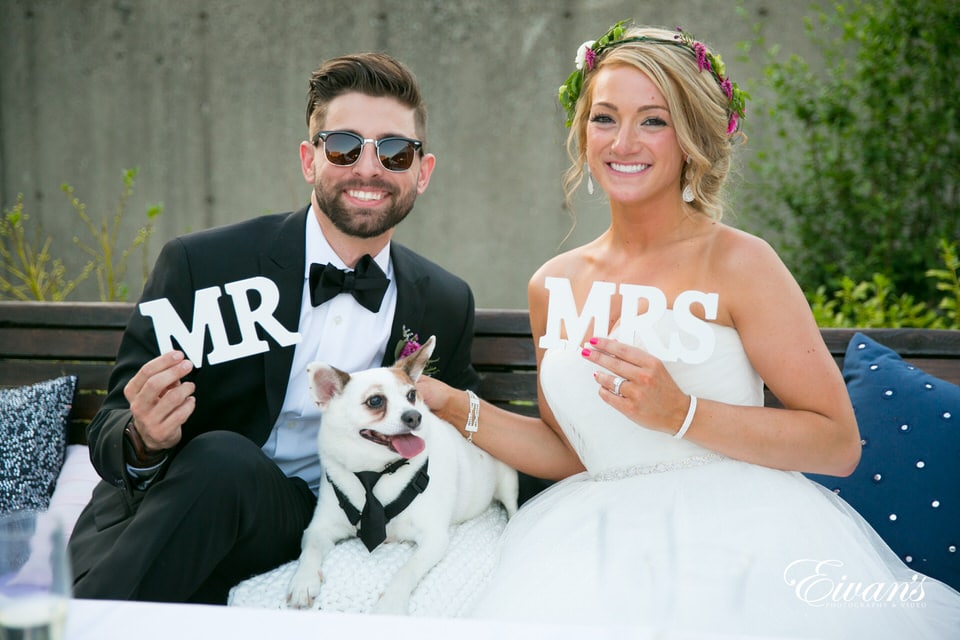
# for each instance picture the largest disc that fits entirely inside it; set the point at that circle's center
(167, 325)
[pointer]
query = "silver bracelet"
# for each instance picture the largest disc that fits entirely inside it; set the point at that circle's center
(689, 419)
(473, 417)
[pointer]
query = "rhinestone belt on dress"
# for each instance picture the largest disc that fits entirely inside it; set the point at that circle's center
(660, 467)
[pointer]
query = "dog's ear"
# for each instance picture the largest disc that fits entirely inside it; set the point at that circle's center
(325, 382)
(416, 362)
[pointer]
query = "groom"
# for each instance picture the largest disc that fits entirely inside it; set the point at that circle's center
(210, 468)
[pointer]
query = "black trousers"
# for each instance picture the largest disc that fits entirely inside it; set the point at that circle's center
(221, 512)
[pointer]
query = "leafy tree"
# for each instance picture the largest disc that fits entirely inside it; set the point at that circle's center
(865, 177)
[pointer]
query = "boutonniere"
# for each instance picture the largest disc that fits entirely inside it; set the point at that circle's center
(408, 344)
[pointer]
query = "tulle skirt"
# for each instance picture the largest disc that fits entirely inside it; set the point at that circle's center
(723, 546)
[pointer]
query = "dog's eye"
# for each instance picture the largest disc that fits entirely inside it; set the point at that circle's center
(375, 402)
(412, 396)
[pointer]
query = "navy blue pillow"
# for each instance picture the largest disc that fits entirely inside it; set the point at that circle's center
(907, 485)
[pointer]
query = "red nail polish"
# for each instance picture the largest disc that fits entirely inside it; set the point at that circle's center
(585, 353)
(594, 341)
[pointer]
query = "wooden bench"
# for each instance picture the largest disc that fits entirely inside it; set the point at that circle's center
(43, 340)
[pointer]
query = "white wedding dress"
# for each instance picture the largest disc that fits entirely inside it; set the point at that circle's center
(663, 533)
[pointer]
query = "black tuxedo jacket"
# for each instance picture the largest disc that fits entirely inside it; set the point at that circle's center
(246, 395)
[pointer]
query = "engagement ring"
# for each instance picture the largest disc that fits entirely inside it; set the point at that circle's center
(616, 384)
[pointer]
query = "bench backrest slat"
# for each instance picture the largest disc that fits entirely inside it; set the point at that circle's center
(55, 343)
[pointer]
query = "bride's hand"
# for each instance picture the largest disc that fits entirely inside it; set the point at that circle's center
(647, 394)
(435, 394)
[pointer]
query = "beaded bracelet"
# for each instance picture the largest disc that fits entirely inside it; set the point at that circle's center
(473, 417)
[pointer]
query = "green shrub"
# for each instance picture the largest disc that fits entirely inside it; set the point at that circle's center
(948, 281)
(866, 171)
(875, 303)
(29, 272)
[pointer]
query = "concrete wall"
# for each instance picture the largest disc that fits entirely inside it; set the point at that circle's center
(207, 98)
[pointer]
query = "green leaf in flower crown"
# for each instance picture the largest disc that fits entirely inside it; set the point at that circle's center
(569, 92)
(718, 65)
(615, 33)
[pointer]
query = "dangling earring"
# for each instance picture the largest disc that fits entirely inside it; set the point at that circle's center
(589, 181)
(687, 193)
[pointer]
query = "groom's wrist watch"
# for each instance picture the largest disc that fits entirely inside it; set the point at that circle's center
(135, 449)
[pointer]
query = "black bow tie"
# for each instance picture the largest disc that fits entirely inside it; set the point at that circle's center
(367, 283)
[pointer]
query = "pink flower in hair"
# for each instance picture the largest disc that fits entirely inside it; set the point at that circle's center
(586, 49)
(703, 62)
(732, 126)
(727, 88)
(589, 56)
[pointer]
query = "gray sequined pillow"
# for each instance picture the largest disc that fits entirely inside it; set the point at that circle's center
(33, 441)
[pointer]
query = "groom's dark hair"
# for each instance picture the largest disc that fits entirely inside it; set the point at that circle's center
(373, 74)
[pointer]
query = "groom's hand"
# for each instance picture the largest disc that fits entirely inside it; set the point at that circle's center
(160, 401)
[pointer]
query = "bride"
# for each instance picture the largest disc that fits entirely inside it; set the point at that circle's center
(681, 504)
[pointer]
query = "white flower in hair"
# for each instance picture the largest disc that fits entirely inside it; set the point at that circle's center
(582, 53)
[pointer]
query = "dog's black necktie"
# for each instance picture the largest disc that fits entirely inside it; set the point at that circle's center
(367, 283)
(373, 519)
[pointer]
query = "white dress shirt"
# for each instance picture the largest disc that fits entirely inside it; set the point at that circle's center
(339, 332)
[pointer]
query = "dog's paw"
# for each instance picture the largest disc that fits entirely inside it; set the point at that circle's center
(304, 587)
(393, 602)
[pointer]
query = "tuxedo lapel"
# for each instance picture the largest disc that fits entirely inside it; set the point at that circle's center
(283, 262)
(412, 283)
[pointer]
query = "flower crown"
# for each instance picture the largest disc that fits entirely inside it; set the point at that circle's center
(590, 50)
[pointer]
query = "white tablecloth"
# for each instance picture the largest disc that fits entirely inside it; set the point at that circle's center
(112, 620)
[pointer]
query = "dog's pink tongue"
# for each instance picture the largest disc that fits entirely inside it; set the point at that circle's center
(407, 445)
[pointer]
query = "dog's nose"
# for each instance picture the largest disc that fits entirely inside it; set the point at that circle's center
(411, 418)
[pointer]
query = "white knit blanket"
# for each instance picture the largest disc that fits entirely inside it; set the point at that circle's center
(354, 577)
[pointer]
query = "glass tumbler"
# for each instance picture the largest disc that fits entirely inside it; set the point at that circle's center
(35, 579)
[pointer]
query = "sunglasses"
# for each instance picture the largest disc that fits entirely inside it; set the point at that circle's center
(343, 149)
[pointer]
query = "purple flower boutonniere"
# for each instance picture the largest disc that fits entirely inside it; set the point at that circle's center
(408, 344)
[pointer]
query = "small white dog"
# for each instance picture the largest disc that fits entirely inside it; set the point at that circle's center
(378, 433)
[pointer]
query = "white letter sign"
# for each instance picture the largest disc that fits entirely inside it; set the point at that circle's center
(167, 325)
(640, 329)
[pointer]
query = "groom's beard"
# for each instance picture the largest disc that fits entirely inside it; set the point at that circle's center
(362, 222)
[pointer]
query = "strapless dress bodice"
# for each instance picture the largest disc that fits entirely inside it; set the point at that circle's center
(609, 442)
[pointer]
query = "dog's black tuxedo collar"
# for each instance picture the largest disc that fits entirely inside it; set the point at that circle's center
(374, 517)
